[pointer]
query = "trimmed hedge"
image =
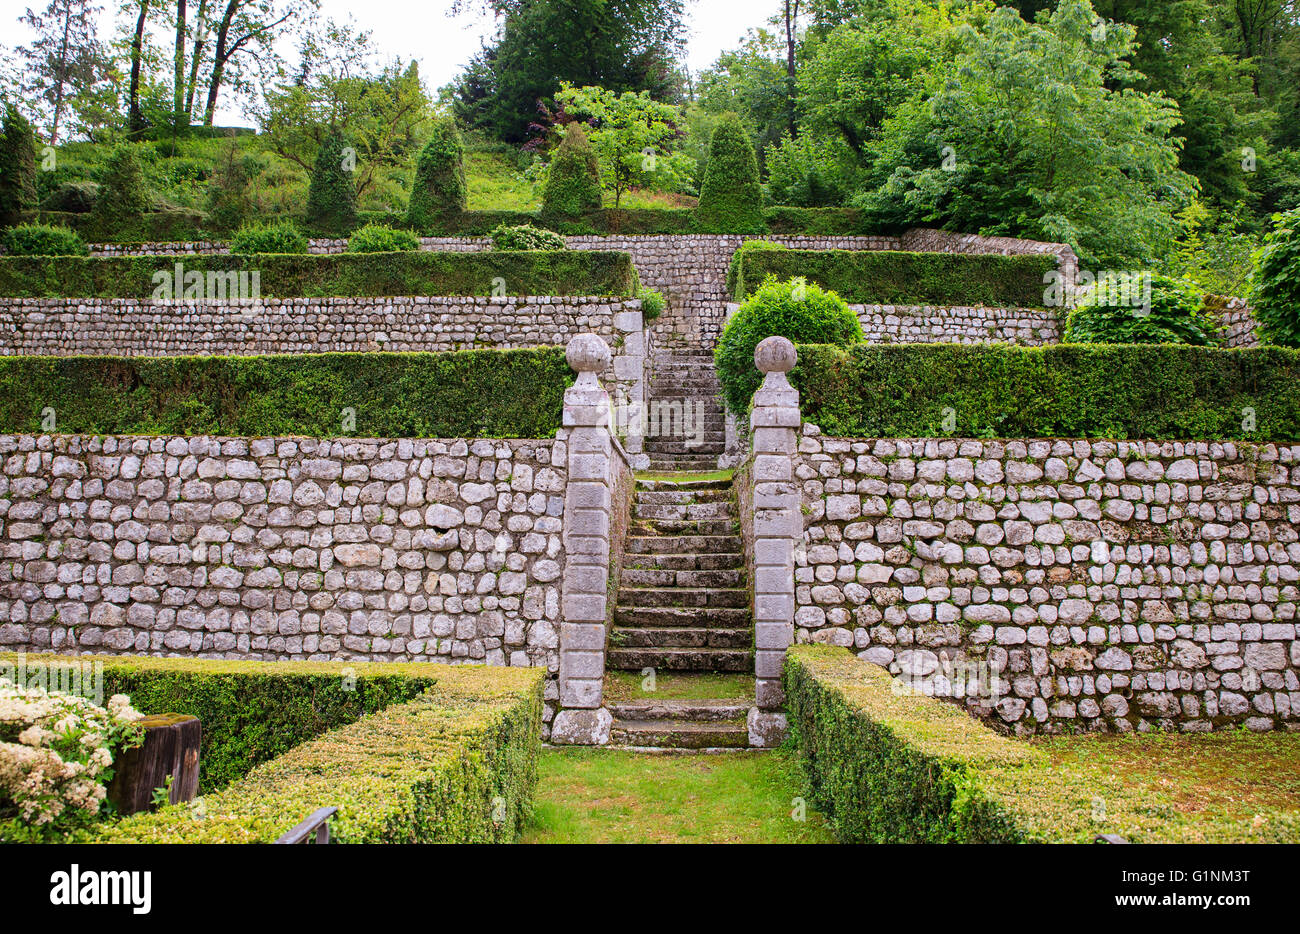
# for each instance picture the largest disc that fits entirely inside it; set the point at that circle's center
(731, 198)
(573, 182)
(1119, 391)
(890, 766)
(896, 277)
(439, 191)
(578, 272)
(457, 764)
(469, 394)
(332, 192)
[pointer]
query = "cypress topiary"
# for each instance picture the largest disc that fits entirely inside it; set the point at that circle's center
(17, 168)
(123, 196)
(332, 197)
(439, 192)
(573, 183)
(731, 200)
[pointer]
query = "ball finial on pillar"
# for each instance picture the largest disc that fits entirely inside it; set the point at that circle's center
(775, 355)
(588, 353)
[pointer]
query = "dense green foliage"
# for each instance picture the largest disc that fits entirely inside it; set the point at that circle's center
(557, 272)
(123, 196)
(1172, 313)
(379, 238)
(17, 167)
(893, 277)
(796, 309)
(439, 191)
(456, 764)
(332, 196)
(573, 181)
(42, 240)
(1275, 282)
(468, 394)
(526, 237)
(1067, 391)
(731, 199)
(73, 198)
(653, 303)
(277, 237)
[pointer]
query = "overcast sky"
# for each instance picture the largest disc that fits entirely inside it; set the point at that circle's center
(421, 29)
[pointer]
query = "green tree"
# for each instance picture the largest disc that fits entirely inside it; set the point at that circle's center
(731, 199)
(439, 191)
(573, 180)
(1275, 282)
(17, 167)
(332, 196)
(123, 195)
(65, 62)
(750, 81)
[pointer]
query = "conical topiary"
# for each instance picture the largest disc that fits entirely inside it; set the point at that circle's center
(332, 197)
(573, 183)
(731, 199)
(439, 193)
(123, 196)
(17, 168)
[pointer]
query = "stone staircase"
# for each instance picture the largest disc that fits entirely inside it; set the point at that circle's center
(682, 606)
(685, 423)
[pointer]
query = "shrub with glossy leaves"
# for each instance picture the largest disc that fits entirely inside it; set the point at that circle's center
(43, 240)
(526, 237)
(281, 237)
(377, 238)
(799, 310)
(1175, 316)
(1275, 282)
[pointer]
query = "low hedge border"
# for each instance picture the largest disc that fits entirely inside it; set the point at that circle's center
(458, 764)
(1129, 392)
(889, 766)
(898, 277)
(467, 394)
(345, 275)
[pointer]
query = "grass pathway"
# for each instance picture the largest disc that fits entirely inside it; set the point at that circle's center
(615, 796)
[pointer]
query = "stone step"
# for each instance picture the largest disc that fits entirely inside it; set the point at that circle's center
(659, 617)
(691, 442)
(684, 562)
(681, 637)
(684, 484)
(678, 734)
(682, 597)
(683, 544)
(683, 464)
(642, 577)
(738, 660)
(703, 710)
(673, 527)
(680, 497)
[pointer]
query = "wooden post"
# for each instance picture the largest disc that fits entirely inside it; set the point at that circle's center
(170, 748)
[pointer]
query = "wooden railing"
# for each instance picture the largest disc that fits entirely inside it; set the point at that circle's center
(319, 821)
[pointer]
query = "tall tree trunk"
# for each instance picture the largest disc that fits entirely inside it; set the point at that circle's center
(200, 40)
(135, 122)
(791, 30)
(219, 56)
(62, 73)
(178, 89)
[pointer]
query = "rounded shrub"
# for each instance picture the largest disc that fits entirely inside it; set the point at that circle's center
(123, 195)
(281, 237)
(525, 237)
(73, 198)
(332, 195)
(439, 192)
(1175, 315)
(43, 240)
(1274, 287)
(731, 198)
(653, 303)
(377, 238)
(799, 310)
(17, 167)
(573, 181)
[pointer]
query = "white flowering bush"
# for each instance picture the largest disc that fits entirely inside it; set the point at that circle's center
(57, 752)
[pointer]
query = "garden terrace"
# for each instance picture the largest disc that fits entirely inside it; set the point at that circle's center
(892, 277)
(470, 394)
(1068, 391)
(585, 272)
(891, 766)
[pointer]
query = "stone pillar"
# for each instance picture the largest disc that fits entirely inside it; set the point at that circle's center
(778, 527)
(587, 515)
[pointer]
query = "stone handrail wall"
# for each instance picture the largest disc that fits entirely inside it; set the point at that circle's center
(1059, 585)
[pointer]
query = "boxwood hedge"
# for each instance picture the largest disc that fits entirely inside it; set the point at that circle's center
(578, 272)
(1065, 391)
(897, 277)
(455, 764)
(469, 394)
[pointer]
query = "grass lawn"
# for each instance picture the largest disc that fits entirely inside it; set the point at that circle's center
(1220, 787)
(613, 796)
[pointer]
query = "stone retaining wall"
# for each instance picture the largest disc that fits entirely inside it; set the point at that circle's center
(1092, 585)
(932, 324)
